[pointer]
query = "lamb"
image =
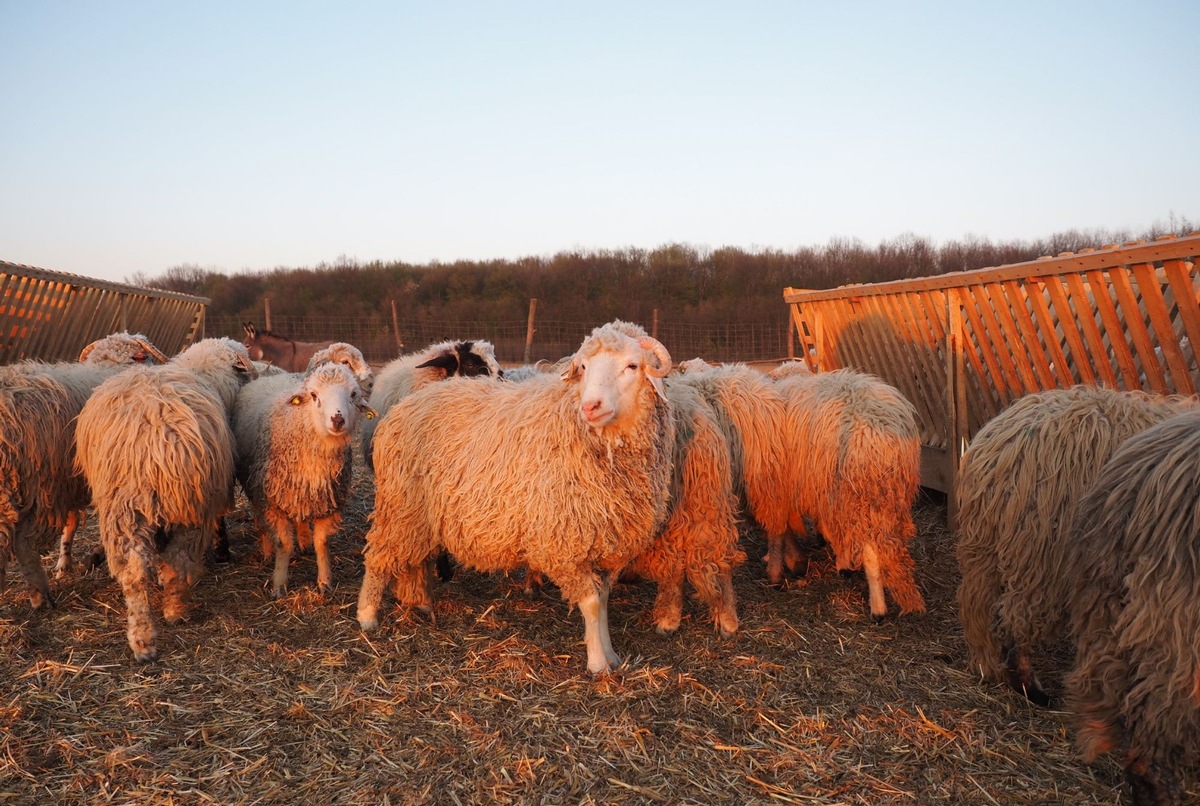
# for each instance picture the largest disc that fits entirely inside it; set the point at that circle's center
(408, 373)
(788, 369)
(40, 489)
(854, 470)
(294, 449)
(1135, 609)
(570, 477)
(750, 412)
(1017, 490)
(341, 352)
(156, 447)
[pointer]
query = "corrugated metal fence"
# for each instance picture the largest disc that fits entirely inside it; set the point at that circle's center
(962, 346)
(52, 315)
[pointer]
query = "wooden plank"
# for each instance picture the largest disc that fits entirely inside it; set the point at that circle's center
(1151, 294)
(1098, 353)
(957, 401)
(1118, 329)
(1156, 251)
(924, 391)
(1137, 331)
(1180, 279)
(1061, 371)
(995, 339)
(980, 347)
(1018, 346)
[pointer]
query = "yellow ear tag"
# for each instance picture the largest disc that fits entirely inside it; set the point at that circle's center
(296, 400)
(369, 414)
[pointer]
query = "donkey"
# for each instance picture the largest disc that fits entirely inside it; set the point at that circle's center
(280, 351)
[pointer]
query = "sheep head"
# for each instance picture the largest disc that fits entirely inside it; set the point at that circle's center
(465, 358)
(611, 368)
(334, 401)
(122, 348)
(349, 356)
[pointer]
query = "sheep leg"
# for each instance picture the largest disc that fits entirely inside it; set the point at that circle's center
(284, 541)
(775, 559)
(1150, 784)
(75, 519)
(370, 595)
(593, 606)
(323, 528)
(795, 558)
(668, 605)
(874, 580)
(180, 565)
(613, 658)
(221, 543)
(1021, 678)
(129, 551)
(28, 535)
(266, 543)
(714, 585)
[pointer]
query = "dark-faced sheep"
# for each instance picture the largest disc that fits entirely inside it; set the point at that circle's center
(293, 438)
(1134, 607)
(41, 491)
(156, 448)
(570, 477)
(409, 373)
(1018, 487)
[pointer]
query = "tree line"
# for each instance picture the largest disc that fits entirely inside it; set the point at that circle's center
(686, 284)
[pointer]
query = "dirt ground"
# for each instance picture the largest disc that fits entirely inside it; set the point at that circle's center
(260, 701)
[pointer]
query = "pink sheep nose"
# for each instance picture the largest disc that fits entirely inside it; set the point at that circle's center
(590, 408)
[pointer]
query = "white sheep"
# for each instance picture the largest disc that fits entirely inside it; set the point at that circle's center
(854, 468)
(156, 448)
(750, 411)
(408, 373)
(293, 437)
(570, 477)
(40, 489)
(351, 357)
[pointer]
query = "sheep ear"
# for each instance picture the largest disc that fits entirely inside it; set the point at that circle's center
(242, 364)
(296, 400)
(658, 386)
(570, 372)
(367, 411)
(447, 362)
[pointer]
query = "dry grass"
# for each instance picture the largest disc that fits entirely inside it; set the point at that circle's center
(256, 701)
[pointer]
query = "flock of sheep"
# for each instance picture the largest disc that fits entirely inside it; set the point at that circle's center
(1079, 509)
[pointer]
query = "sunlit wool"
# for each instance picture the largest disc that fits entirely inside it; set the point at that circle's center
(351, 357)
(506, 476)
(294, 461)
(1135, 609)
(156, 447)
(40, 488)
(409, 373)
(854, 467)
(1017, 491)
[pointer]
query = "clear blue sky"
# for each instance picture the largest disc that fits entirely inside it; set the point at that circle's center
(250, 135)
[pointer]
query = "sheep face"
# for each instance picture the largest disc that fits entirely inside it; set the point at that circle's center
(334, 401)
(611, 373)
(468, 359)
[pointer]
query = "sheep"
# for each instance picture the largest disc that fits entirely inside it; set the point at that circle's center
(40, 490)
(700, 537)
(1134, 609)
(567, 476)
(750, 412)
(156, 447)
(341, 352)
(293, 437)
(854, 470)
(789, 368)
(408, 373)
(1016, 494)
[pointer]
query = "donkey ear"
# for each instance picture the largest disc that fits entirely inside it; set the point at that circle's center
(446, 362)
(249, 329)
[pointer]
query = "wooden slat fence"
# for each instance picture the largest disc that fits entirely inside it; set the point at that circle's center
(962, 346)
(52, 316)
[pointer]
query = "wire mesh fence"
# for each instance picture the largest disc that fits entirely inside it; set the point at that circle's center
(381, 342)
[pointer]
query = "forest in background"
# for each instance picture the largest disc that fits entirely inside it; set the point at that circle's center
(724, 304)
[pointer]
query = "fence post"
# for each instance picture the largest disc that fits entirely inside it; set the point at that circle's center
(956, 402)
(267, 312)
(396, 329)
(529, 331)
(654, 325)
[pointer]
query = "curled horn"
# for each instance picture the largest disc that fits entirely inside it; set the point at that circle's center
(87, 351)
(150, 349)
(660, 352)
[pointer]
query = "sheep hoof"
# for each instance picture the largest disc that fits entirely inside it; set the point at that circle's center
(145, 653)
(1021, 678)
(278, 593)
(1152, 785)
(325, 589)
(665, 630)
(94, 561)
(41, 601)
(368, 624)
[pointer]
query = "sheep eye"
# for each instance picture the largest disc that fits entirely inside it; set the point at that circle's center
(632, 366)
(314, 395)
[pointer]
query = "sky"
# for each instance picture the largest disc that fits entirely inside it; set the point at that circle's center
(246, 135)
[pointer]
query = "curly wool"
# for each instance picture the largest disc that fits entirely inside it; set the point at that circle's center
(700, 539)
(351, 357)
(1017, 490)
(1134, 684)
(855, 468)
(527, 484)
(750, 414)
(40, 487)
